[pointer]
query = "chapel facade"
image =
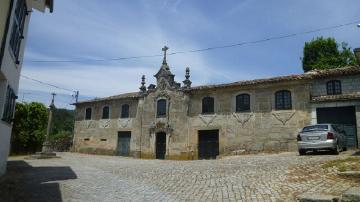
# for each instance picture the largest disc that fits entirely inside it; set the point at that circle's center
(170, 120)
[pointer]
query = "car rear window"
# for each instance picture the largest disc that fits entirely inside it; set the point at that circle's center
(315, 127)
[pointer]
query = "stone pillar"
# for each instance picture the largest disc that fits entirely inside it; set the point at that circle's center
(46, 145)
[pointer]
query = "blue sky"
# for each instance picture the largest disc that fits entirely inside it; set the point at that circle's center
(92, 29)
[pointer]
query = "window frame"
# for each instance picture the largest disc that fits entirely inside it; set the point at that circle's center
(334, 90)
(90, 113)
(161, 113)
(211, 108)
(17, 29)
(285, 100)
(9, 105)
(102, 114)
(242, 107)
(122, 115)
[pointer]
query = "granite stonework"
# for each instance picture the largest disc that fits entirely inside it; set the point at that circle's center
(261, 129)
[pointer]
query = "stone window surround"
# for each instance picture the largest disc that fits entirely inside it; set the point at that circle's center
(273, 100)
(92, 113)
(215, 104)
(167, 106)
(252, 101)
(121, 108)
(102, 111)
(332, 82)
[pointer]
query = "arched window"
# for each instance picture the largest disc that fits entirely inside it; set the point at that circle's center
(105, 112)
(242, 103)
(333, 87)
(161, 108)
(88, 113)
(208, 105)
(283, 100)
(124, 111)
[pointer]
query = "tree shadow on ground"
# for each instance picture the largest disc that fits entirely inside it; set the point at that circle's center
(23, 182)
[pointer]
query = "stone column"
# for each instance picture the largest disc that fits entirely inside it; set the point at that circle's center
(47, 150)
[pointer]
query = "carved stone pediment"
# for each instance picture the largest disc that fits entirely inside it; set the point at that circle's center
(104, 123)
(207, 119)
(124, 123)
(283, 116)
(243, 118)
(161, 126)
(162, 94)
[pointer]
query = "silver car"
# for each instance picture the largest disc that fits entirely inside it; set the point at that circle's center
(321, 137)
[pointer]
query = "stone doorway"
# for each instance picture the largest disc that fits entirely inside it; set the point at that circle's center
(160, 145)
(208, 146)
(123, 146)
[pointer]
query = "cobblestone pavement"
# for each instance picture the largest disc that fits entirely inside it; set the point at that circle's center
(81, 177)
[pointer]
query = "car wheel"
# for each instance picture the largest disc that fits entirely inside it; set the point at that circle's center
(336, 150)
(302, 152)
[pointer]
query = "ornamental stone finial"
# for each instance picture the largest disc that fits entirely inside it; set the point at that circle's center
(187, 73)
(142, 87)
(165, 49)
(187, 82)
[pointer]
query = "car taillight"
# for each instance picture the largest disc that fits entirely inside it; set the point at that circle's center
(330, 136)
(298, 137)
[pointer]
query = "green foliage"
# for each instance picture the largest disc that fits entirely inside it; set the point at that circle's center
(29, 127)
(62, 129)
(61, 141)
(324, 53)
(63, 121)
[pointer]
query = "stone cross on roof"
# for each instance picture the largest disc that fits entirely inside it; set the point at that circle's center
(165, 49)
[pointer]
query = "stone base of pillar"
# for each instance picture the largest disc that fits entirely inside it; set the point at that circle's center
(43, 155)
(46, 152)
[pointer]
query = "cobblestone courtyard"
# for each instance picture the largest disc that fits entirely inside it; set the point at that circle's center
(80, 177)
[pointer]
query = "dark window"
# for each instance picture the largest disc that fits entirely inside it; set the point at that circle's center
(105, 113)
(9, 107)
(124, 111)
(333, 87)
(283, 100)
(88, 113)
(18, 28)
(208, 105)
(243, 103)
(161, 108)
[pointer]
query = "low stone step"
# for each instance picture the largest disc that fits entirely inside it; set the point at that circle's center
(350, 174)
(351, 195)
(313, 197)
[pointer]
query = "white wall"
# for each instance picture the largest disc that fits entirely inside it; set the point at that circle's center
(9, 75)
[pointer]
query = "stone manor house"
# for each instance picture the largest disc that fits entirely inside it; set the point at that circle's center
(173, 121)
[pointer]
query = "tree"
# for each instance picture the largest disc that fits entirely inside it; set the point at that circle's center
(324, 53)
(62, 129)
(29, 127)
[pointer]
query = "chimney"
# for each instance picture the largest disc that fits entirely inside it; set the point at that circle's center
(357, 55)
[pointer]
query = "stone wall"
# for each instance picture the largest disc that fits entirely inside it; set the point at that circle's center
(261, 129)
(349, 85)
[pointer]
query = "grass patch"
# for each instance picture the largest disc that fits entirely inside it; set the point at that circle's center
(348, 164)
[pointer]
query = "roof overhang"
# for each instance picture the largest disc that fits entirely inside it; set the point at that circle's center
(41, 5)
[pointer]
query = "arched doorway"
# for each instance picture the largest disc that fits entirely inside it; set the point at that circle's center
(160, 145)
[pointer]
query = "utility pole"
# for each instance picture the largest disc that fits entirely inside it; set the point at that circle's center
(76, 96)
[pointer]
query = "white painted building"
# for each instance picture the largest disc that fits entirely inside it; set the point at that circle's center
(14, 22)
